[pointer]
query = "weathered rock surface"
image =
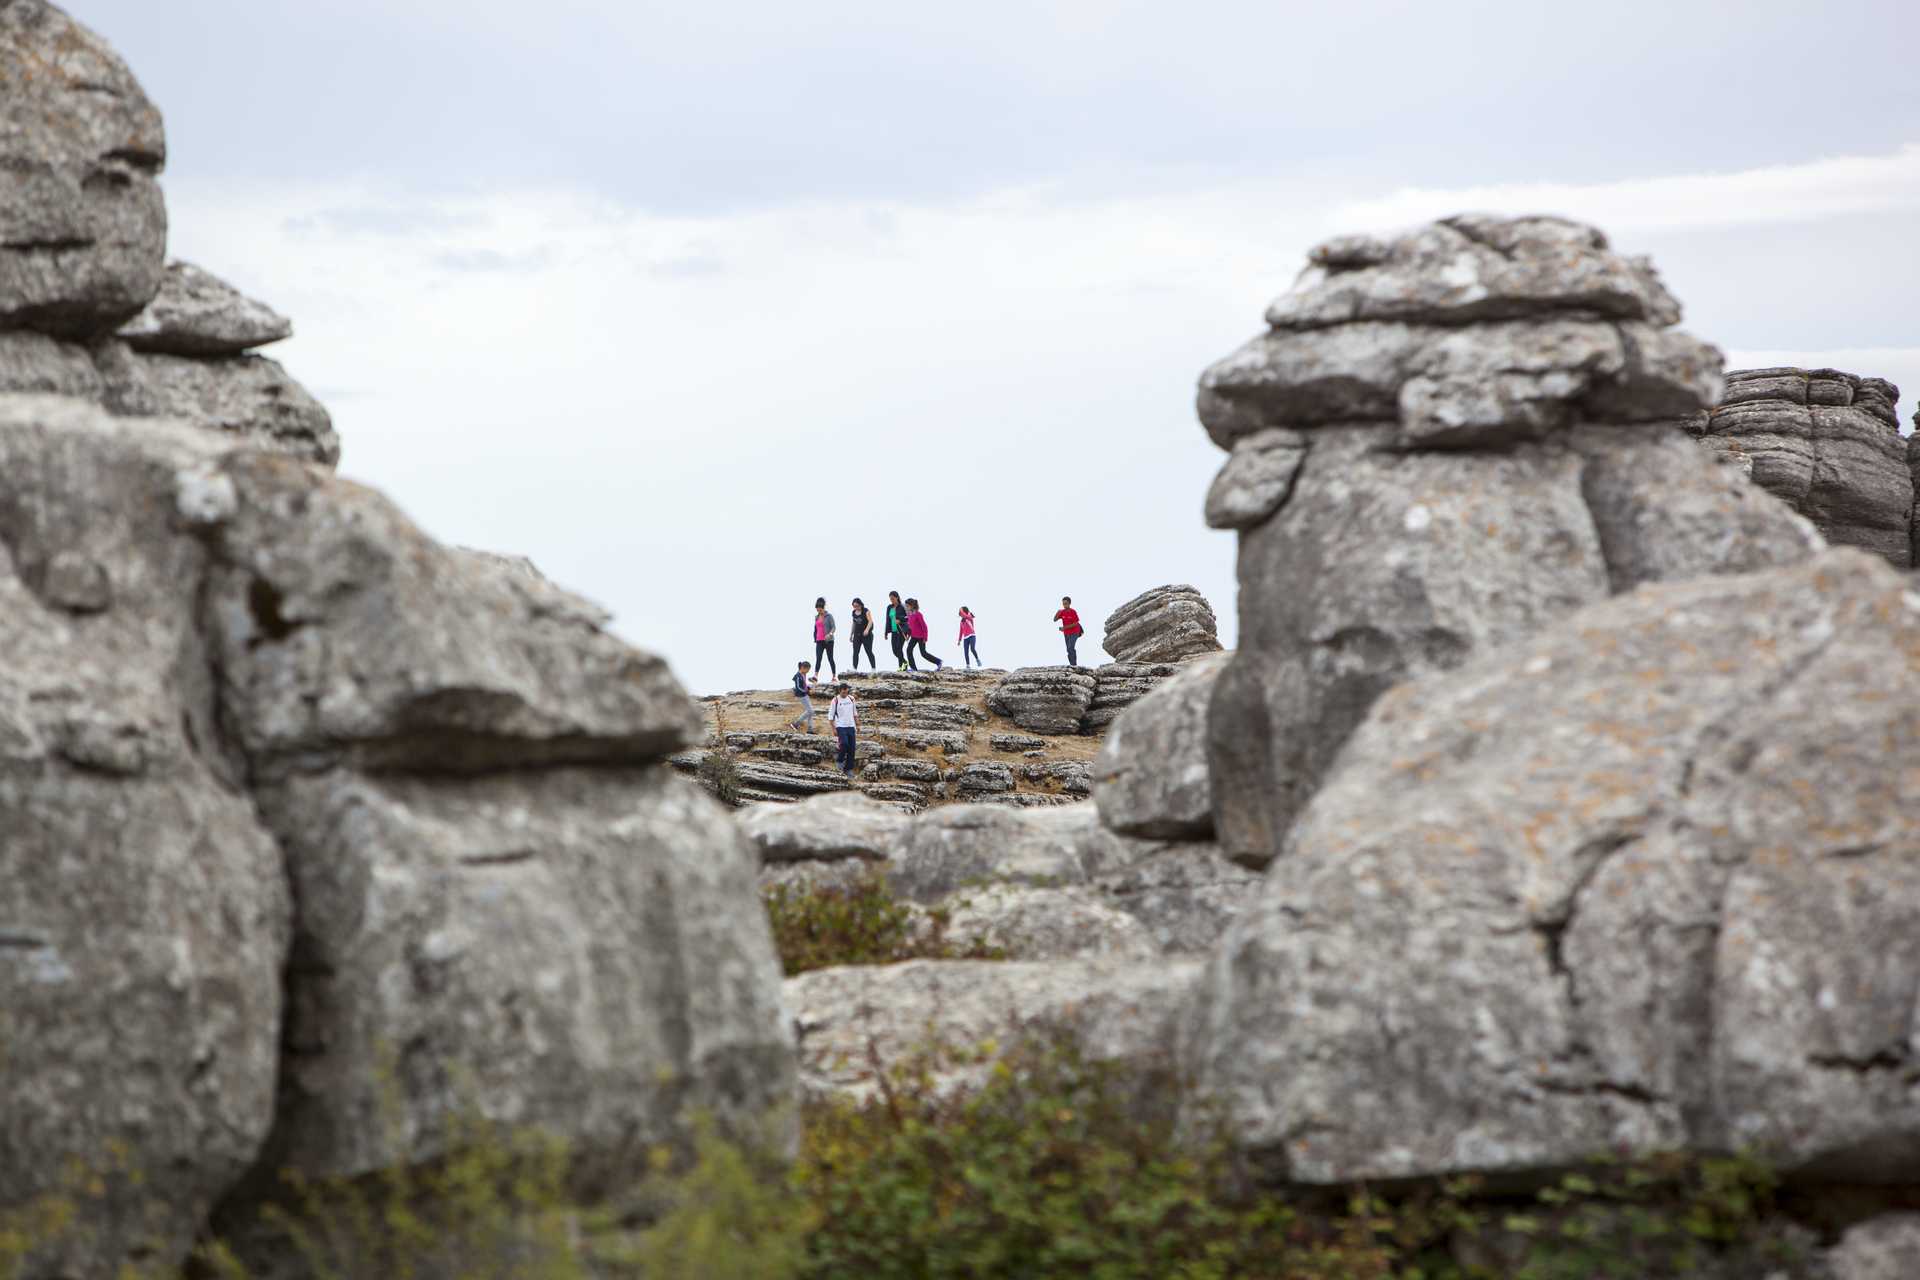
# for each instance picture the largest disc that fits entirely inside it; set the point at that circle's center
(1052, 700)
(847, 825)
(1151, 778)
(1825, 442)
(1647, 880)
(1166, 624)
(1119, 685)
(246, 396)
(986, 777)
(1256, 480)
(1117, 1011)
(1882, 1248)
(1052, 923)
(83, 227)
(198, 314)
(1392, 550)
(955, 848)
(1185, 893)
(230, 673)
(145, 919)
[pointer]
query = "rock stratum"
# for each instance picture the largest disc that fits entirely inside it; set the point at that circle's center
(1825, 442)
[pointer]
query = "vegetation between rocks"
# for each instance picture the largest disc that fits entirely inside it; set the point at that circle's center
(1049, 1169)
(860, 921)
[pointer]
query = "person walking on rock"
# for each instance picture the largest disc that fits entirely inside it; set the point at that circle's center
(969, 654)
(917, 635)
(823, 638)
(1069, 627)
(862, 633)
(803, 690)
(845, 719)
(897, 628)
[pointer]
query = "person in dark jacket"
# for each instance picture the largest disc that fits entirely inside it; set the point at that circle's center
(823, 637)
(897, 628)
(862, 634)
(1069, 627)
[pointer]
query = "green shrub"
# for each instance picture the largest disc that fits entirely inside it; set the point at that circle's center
(862, 922)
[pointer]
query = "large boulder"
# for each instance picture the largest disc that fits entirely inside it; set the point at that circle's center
(1151, 778)
(198, 314)
(1455, 436)
(231, 676)
(1165, 624)
(1051, 700)
(860, 1019)
(83, 227)
(1825, 442)
(1649, 879)
(1882, 1248)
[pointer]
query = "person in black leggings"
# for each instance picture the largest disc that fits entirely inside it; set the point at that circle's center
(897, 628)
(862, 634)
(823, 637)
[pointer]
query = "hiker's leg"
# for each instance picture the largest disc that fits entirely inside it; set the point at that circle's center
(832, 666)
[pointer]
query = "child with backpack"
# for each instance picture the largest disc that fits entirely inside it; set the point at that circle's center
(969, 655)
(803, 690)
(844, 716)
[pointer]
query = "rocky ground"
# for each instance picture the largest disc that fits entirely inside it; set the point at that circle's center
(927, 739)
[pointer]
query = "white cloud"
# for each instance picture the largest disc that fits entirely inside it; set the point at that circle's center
(1828, 188)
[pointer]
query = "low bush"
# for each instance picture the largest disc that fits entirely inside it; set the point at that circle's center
(861, 921)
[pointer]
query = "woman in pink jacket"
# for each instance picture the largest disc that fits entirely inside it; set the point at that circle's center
(917, 631)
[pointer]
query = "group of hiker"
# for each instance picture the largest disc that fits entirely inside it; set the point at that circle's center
(906, 630)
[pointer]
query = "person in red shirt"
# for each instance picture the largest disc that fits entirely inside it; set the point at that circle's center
(917, 628)
(1069, 627)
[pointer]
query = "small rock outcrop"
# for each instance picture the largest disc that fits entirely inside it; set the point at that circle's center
(1166, 624)
(1825, 442)
(824, 829)
(198, 314)
(1151, 778)
(1444, 440)
(1051, 700)
(1647, 880)
(1118, 685)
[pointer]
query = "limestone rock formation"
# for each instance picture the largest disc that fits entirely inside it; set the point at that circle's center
(1152, 777)
(1052, 700)
(1051, 923)
(1471, 445)
(1825, 442)
(1166, 624)
(198, 314)
(231, 676)
(1646, 880)
(82, 253)
(83, 227)
(1123, 1012)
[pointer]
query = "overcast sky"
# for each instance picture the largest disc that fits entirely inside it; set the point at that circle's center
(714, 308)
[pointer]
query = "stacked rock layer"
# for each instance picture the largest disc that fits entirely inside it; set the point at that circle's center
(1825, 442)
(1444, 440)
(89, 306)
(1166, 624)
